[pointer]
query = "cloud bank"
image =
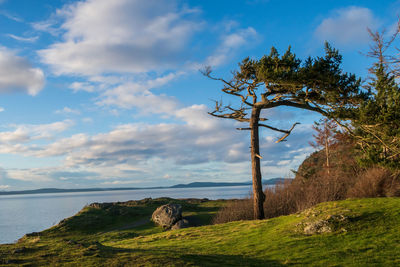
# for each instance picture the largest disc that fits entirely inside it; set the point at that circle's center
(18, 75)
(132, 36)
(348, 26)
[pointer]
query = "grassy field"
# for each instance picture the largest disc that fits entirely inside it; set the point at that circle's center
(363, 232)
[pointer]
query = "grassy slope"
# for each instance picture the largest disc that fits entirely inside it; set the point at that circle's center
(369, 237)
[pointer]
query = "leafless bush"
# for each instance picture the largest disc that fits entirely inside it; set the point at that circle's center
(281, 199)
(299, 194)
(376, 182)
(235, 210)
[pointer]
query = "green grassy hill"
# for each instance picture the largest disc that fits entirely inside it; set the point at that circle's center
(361, 232)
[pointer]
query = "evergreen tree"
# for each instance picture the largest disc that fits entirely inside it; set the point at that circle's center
(317, 84)
(378, 123)
(376, 126)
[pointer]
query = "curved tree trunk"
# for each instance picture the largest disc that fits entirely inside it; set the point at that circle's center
(258, 193)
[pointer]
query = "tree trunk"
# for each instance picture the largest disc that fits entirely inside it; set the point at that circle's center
(258, 193)
(327, 149)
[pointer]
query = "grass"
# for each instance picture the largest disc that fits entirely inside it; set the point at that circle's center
(100, 237)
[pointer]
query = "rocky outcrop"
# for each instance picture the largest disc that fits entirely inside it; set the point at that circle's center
(167, 215)
(328, 224)
(318, 227)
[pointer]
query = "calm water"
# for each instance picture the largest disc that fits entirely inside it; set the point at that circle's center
(21, 214)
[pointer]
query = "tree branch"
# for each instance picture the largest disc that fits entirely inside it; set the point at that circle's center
(264, 105)
(287, 134)
(272, 128)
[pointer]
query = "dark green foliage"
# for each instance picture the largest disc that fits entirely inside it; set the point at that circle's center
(378, 122)
(317, 84)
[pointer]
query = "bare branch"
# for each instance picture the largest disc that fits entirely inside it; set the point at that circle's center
(287, 134)
(272, 128)
(230, 88)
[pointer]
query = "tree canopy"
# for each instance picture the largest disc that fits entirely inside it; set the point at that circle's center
(317, 84)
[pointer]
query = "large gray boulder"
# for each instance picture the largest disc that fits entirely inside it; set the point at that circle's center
(167, 215)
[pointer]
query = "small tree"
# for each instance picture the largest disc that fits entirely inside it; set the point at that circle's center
(317, 84)
(326, 135)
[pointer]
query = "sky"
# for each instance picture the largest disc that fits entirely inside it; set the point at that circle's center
(100, 93)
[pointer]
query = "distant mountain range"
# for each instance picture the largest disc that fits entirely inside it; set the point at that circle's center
(190, 185)
(212, 184)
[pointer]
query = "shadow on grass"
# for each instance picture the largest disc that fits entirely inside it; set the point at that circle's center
(96, 254)
(226, 260)
(367, 219)
(165, 257)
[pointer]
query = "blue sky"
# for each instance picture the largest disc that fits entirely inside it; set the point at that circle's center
(101, 93)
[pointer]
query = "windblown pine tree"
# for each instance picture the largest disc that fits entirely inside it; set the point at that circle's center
(317, 84)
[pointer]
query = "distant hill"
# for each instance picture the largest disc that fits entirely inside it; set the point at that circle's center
(207, 184)
(272, 181)
(190, 185)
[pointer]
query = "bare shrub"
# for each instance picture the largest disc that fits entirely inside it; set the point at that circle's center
(376, 182)
(235, 210)
(281, 199)
(301, 193)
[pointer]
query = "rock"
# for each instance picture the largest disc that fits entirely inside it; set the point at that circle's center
(167, 215)
(330, 223)
(180, 224)
(336, 218)
(317, 227)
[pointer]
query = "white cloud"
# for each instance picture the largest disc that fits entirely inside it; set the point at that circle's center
(34, 174)
(67, 110)
(63, 146)
(146, 150)
(230, 43)
(87, 120)
(23, 39)
(48, 26)
(2, 187)
(139, 95)
(347, 26)
(18, 75)
(196, 140)
(10, 16)
(28, 132)
(118, 182)
(102, 36)
(127, 48)
(283, 162)
(82, 86)
(1, 109)
(204, 146)
(196, 116)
